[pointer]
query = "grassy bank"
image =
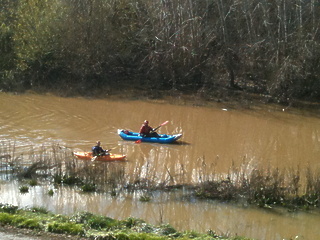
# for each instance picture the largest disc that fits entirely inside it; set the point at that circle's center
(86, 225)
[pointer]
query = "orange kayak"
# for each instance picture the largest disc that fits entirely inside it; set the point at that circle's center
(106, 158)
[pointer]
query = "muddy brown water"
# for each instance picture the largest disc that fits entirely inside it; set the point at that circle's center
(218, 136)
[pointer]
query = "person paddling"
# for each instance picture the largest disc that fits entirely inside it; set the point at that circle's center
(147, 131)
(98, 150)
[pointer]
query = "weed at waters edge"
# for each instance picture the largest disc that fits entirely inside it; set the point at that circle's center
(24, 189)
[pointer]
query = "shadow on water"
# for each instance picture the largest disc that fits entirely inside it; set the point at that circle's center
(182, 143)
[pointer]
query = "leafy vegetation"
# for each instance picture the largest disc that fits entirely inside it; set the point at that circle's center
(206, 47)
(24, 189)
(92, 226)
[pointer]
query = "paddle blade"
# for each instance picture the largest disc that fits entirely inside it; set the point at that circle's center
(164, 123)
(138, 141)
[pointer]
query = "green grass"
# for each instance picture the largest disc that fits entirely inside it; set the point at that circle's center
(93, 226)
(66, 228)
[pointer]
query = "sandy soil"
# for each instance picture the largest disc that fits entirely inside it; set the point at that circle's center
(11, 233)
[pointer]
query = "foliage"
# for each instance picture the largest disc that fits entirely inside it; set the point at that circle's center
(29, 223)
(145, 198)
(24, 189)
(50, 192)
(38, 210)
(33, 182)
(265, 47)
(8, 208)
(36, 37)
(88, 187)
(6, 218)
(70, 180)
(66, 228)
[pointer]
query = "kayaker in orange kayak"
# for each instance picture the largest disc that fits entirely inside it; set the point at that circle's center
(147, 131)
(98, 150)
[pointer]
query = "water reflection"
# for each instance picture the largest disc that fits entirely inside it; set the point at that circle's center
(173, 208)
(213, 140)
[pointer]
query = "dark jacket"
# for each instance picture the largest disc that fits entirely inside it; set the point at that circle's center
(97, 150)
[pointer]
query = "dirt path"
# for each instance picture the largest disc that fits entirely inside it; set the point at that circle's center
(11, 233)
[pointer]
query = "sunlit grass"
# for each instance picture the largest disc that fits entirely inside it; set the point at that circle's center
(96, 227)
(66, 228)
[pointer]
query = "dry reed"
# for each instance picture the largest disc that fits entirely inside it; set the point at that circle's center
(260, 185)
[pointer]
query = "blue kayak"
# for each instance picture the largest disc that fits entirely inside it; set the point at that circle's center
(134, 136)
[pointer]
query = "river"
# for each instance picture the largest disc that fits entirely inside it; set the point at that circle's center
(219, 135)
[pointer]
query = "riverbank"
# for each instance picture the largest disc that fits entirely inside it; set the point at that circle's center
(8, 232)
(38, 223)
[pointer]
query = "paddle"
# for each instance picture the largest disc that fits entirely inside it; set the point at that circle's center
(153, 130)
(162, 124)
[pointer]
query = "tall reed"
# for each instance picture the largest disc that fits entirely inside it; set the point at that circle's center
(255, 184)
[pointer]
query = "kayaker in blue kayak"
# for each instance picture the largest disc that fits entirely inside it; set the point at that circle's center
(147, 131)
(98, 150)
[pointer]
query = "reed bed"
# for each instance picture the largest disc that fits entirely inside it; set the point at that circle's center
(264, 186)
